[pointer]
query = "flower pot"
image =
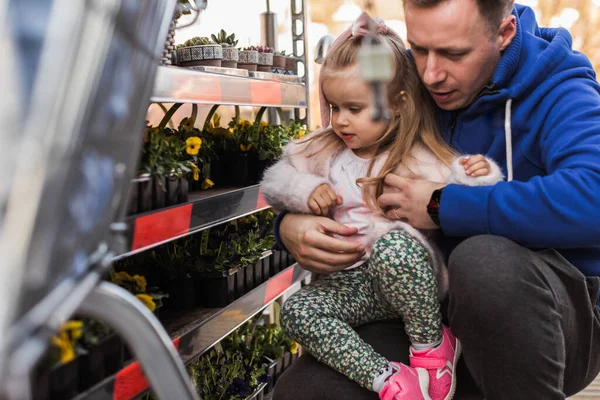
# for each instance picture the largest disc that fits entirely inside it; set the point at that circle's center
(173, 188)
(240, 283)
(291, 64)
(277, 264)
(289, 260)
(248, 59)
(258, 393)
(279, 62)
(265, 263)
(265, 60)
(184, 191)
(249, 278)
(231, 56)
(287, 360)
(258, 274)
(140, 195)
(278, 368)
(256, 168)
(209, 55)
(271, 371)
(234, 168)
(216, 289)
(102, 360)
(182, 293)
(159, 193)
(295, 357)
(63, 380)
(41, 383)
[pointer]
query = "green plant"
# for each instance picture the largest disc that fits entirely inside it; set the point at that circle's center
(280, 53)
(198, 41)
(161, 153)
(224, 40)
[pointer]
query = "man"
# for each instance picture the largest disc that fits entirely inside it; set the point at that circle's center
(524, 284)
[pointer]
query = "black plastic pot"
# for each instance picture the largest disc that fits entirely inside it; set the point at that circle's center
(173, 189)
(295, 357)
(266, 265)
(258, 273)
(277, 263)
(287, 360)
(278, 368)
(184, 191)
(182, 293)
(102, 360)
(240, 282)
(258, 393)
(216, 289)
(234, 169)
(140, 195)
(159, 193)
(271, 371)
(256, 168)
(248, 278)
(289, 260)
(63, 380)
(41, 384)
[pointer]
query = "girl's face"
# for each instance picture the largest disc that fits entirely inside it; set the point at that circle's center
(351, 110)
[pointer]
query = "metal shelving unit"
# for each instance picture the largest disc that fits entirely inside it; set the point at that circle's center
(181, 85)
(196, 331)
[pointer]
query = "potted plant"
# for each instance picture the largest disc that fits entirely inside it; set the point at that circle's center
(279, 60)
(199, 51)
(291, 64)
(265, 59)
(104, 353)
(248, 59)
(231, 54)
(57, 376)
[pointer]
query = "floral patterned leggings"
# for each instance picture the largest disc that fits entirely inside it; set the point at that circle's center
(397, 282)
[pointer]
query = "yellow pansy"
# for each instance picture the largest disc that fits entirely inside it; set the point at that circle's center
(245, 147)
(207, 184)
(122, 276)
(73, 329)
(294, 347)
(67, 352)
(147, 300)
(301, 134)
(196, 171)
(193, 145)
(189, 123)
(140, 281)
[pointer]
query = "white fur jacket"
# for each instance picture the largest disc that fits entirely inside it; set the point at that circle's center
(288, 184)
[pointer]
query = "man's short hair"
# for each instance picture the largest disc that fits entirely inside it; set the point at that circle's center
(493, 11)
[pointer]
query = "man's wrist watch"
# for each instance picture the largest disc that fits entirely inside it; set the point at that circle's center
(433, 208)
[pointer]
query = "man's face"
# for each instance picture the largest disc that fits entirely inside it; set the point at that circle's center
(455, 49)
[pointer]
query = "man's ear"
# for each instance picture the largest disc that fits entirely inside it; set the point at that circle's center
(506, 32)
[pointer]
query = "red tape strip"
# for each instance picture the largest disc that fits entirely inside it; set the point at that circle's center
(130, 381)
(261, 202)
(161, 226)
(278, 284)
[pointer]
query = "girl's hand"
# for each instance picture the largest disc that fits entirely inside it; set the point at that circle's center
(323, 199)
(476, 165)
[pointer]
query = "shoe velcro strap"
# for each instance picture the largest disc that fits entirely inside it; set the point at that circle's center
(427, 363)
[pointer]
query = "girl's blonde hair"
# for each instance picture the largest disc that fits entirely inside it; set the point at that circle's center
(413, 115)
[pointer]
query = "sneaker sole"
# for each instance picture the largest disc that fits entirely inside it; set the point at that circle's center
(456, 358)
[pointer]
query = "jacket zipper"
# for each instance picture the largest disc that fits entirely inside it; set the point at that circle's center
(489, 89)
(452, 126)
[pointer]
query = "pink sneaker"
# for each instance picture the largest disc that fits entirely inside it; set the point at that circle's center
(406, 383)
(441, 364)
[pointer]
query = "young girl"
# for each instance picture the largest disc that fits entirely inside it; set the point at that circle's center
(338, 172)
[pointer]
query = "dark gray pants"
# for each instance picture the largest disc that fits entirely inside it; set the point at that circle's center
(528, 323)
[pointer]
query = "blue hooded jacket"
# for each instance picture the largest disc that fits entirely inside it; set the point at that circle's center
(543, 97)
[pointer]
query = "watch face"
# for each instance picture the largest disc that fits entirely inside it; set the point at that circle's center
(434, 206)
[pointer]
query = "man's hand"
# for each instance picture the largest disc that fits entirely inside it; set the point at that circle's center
(406, 200)
(308, 239)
